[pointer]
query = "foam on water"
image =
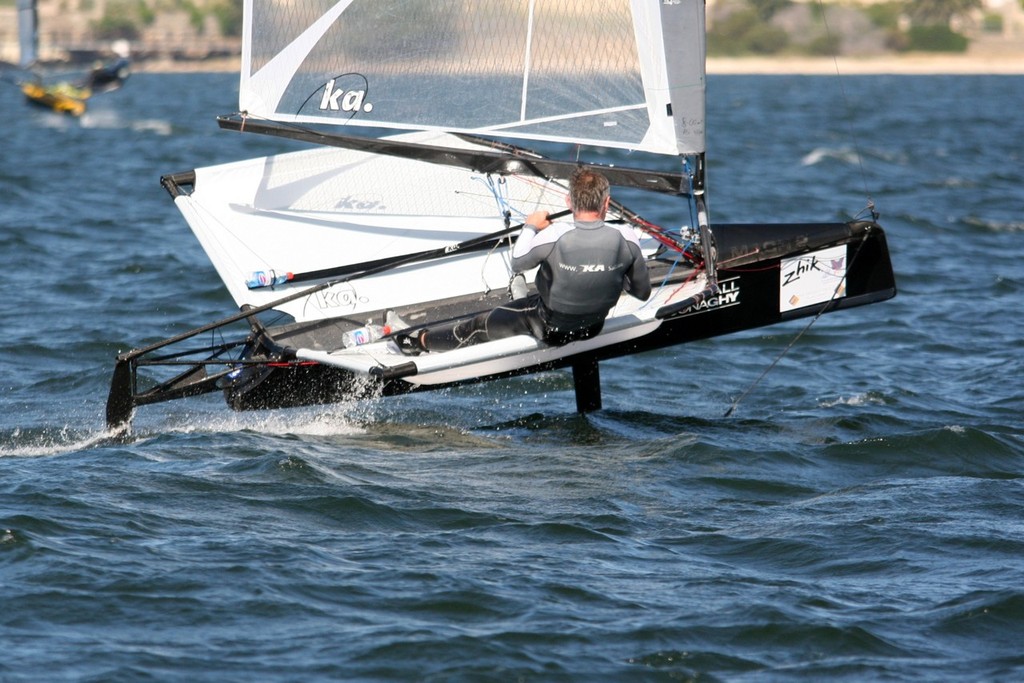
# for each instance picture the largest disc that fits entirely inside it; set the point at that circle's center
(35, 443)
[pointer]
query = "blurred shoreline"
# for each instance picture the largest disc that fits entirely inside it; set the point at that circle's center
(1005, 63)
(911, 64)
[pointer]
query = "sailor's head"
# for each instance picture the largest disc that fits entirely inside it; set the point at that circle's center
(589, 191)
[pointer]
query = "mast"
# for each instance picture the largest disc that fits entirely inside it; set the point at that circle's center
(707, 237)
(28, 37)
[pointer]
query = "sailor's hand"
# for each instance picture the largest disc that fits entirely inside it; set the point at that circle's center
(538, 219)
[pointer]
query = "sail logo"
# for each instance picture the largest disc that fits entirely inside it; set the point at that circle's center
(342, 95)
(344, 297)
(339, 99)
(350, 203)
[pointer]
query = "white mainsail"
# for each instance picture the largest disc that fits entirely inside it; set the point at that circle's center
(611, 73)
(614, 73)
(326, 207)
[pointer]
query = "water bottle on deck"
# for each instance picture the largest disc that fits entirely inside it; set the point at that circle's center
(262, 278)
(364, 335)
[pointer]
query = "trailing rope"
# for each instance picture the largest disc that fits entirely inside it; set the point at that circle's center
(846, 103)
(870, 207)
(824, 308)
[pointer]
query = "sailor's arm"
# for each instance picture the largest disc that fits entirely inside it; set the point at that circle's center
(637, 281)
(522, 259)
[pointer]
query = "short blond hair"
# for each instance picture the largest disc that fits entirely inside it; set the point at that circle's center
(587, 190)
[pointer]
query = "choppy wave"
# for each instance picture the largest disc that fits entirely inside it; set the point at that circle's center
(855, 517)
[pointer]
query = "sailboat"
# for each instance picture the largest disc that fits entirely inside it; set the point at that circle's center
(432, 130)
(64, 94)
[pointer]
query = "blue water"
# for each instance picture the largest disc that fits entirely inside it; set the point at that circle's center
(858, 517)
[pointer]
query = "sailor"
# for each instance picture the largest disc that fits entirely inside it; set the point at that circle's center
(583, 268)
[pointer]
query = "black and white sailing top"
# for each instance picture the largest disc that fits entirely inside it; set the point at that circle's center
(584, 266)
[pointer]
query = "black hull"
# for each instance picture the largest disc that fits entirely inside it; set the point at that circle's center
(749, 257)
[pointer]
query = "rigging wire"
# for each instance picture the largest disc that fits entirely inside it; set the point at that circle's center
(870, 208)
(849, 120)
(825, 307)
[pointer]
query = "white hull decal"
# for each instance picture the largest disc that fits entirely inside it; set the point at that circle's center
(812, 278)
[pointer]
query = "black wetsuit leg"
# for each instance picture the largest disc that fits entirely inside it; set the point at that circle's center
(516, 317)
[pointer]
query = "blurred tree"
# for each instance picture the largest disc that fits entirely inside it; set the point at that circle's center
(939, 12)
(229, 16)
(766, 9)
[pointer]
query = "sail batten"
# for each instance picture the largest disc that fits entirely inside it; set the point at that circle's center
(615, 73)
(526, 63)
